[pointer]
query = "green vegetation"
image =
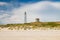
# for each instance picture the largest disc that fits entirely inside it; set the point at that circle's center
(28, 26)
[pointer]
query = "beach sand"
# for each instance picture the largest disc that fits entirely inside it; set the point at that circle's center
(30, 35)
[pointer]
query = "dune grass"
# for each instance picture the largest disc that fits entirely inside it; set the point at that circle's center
(28, 26)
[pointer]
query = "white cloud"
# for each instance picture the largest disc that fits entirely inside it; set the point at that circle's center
(56, 5)
(45, 10)
(4, 15)
(3, 3)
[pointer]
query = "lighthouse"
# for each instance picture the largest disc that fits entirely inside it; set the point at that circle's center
(25, 17)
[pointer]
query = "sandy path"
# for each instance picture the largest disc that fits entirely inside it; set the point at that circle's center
(30, 35)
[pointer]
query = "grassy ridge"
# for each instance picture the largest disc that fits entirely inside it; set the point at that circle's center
(35, 25)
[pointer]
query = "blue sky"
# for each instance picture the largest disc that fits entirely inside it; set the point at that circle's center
(12, 11)
(27, 0)
(20, 0)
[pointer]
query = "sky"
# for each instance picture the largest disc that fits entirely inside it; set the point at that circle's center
(12, 11)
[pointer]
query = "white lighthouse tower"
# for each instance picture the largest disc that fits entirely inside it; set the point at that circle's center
(25, 17)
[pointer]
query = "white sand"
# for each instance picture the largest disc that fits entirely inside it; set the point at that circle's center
(30, 35)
